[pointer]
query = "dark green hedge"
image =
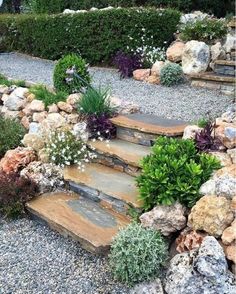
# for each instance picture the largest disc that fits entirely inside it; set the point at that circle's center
(97, 36)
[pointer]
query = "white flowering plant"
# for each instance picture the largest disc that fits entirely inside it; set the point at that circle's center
(64, 148)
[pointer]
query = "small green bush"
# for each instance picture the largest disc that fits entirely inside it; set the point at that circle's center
(137, 254)
(171, 74)
(174, 172)
(49, 98)
(11, 134)
(205, 30)
(96, 102)
(60, 76)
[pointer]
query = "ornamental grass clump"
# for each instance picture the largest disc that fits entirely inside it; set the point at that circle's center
(171, 74)
(137, 254)
(174, 171)
(65, 148)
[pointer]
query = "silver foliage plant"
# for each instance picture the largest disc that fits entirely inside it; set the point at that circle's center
(137, 254)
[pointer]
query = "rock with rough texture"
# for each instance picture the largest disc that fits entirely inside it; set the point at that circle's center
(53, 108)
(153, 80)
(73, 99)
(232, 154)
(156, 68)
(154, 287)
(39, 116)
(203, 270)
(43, 155)
(229, 234)
(65, 107)
(230, 43)
(196, 57)
(53, 121)
(175, 52)
(226, 186)
(34, 128)
(141, 74)
(191, 131)
(226, 132)
(16, 159)
(208, 188)
(211, 214)
(217, 52)
(230, 252)
(14, 102)
(21, 92)
(189, 240)
(166, 219)
(37, 106)
(30, 98)
(223, 157)
(230, 115)
(47, 176)
(33, 141)
(25, 122)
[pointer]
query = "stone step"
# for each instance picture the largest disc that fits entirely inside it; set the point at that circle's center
(225, 67)
(144, 129)
(109, 187)
(212, 81)
(121, 155)
(83, 220)
(233, 55)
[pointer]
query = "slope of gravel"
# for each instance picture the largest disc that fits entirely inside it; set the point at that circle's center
(37, 260)
(180, 102)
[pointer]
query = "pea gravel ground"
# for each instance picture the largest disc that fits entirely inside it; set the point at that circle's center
(180, 102)
(36, 260)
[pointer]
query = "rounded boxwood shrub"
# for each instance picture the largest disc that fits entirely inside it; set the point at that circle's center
(11, 134)
(70, 85)
(171, 74)
(174, 171)
(137, 254)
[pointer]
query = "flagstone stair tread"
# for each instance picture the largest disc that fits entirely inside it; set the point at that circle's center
(214, 77)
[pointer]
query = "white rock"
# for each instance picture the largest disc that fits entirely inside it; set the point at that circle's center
(37, 105)
(156, 68)
(21, 92)
(14, 103)
(230, 43)
(191, 131)
(196, 57)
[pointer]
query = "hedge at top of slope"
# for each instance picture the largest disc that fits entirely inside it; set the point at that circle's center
(96, 36)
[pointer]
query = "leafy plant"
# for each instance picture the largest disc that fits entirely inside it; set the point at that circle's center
(204, 30)
(65, 148)
(15, 191)
(6, 82)
(96, 102)
(206, 140)
(100, 126)
(202, 123)
(49, 98)
(174, 172)
(137, 254)
(171, 74)
(11, 134)
(127, 63)
(61, 82)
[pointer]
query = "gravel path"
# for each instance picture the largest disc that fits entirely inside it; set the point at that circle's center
(36, 260)
(180, 102)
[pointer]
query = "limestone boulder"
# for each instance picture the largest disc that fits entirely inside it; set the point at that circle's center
(217, 52)
(230, 42)
(203, 270)
(166, 219)
(196, 57)
(211, 214)
(141, 74)
(53, 108)
(65, 107)
(73, 99)
(33, 141)
(175, 52)
(191, 131)
(16, 159)
(156, 68)
(25, 122)
(14, 103)
(34, 128)
(38, 117)
(37, 106)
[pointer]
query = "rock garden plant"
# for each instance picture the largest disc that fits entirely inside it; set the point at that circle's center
(171, 74)
(137, 254)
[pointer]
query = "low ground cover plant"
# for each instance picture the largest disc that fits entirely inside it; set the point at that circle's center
(15, 191)
(171, 74)
(205, 30)
(11, 134)
(71, 84)
(174, 172)
(49, 98)
(6, 82)
(137, 254)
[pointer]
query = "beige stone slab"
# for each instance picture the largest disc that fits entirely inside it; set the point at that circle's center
(214, 77)
(127, 152)
(94, 227)
(226, 62)
(107, 180)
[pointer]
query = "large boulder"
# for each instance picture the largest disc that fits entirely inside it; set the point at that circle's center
(165, 218)
(175, 52)
(196, 57)
(211, 214)
(203, 270)
(141, 74)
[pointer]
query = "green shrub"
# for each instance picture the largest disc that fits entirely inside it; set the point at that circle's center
(60, 75)
(171, 74)
(47, 6)
(49, 98)
(204, 30)
(96, 36)
(6, 82)
(174, 172)
(11, 134)
(137, 254)
(95, 102)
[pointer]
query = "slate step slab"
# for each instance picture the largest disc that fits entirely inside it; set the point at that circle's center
(121, 155)
(83, 220)
(144, 129)
(105, 185)
(225, 67)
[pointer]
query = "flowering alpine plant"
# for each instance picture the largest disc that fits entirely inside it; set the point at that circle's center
(65, 148)
(127, 63)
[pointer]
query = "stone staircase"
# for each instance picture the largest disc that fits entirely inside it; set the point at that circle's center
(223, 77)
(98, 201)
